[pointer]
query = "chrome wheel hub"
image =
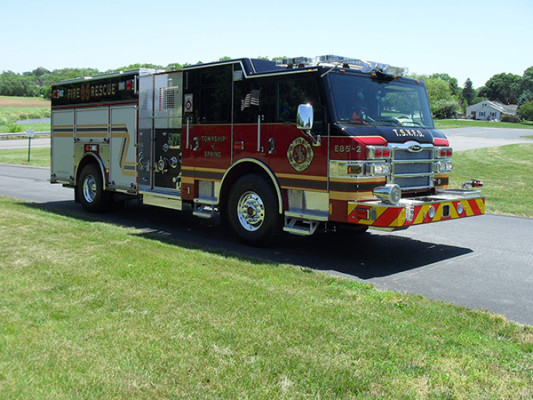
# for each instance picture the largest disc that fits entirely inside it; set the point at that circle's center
(251, 211)
(89, 189)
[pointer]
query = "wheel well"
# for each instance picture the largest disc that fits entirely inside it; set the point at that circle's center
(90, 159)
(245, 168)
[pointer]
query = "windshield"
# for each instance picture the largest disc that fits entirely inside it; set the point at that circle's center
(371, 101)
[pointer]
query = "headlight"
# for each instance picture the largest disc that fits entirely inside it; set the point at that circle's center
(443, 166)
(360, 168)
(449, 165)
(382, 169)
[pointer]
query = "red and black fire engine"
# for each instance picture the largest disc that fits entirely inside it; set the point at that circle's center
(289, 146)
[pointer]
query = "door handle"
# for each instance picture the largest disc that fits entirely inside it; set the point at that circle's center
(271, 145)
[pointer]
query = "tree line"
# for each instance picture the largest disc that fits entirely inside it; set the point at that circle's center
(446, 97)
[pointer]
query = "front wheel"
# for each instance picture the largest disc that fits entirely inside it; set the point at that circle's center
(91, 191)
(252, 210)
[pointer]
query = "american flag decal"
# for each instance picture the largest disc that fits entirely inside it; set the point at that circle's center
(251, 99)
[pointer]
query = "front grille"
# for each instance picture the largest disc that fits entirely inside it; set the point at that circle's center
(412, 170)
(401, 153)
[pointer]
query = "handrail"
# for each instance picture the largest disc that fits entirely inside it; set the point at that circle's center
(23, 134)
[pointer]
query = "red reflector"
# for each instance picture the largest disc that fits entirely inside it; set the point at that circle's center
(440, 142)
(449, 152)
(91, 148)
(238, 145)
(443, 152)
(361, 213)
(129, 84)
(371, 140)
(378, 153)
(386, 153)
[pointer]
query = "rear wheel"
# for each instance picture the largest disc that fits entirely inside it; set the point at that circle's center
(252, 210)
(91, 191)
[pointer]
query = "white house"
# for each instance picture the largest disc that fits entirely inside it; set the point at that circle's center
(490, 110)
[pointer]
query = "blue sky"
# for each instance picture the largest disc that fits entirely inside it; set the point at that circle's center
(466, 39)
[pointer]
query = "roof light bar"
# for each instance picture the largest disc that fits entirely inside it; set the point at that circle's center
(296, 61)
(346, 62)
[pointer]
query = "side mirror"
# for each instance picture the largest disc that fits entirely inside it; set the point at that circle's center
(304, 118)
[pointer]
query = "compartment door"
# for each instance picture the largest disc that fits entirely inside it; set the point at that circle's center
(122, 147)
(62, 161)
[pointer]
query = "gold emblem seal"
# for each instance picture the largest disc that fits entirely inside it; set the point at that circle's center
(300, 154)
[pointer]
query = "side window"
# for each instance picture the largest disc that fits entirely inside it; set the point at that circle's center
(276, 99)
(293, 92)
(254, 97)
(213, 88)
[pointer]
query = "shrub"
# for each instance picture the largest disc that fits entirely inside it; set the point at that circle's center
(37, 114)
(14, 128)
(446, 109)
(511, 118)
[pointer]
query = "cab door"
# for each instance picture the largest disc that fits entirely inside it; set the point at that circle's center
(300, 156)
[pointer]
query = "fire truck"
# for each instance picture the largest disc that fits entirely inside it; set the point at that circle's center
(290, 146)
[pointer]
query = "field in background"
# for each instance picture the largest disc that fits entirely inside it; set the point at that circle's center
(25, 102)
(124, 315)
(13, 109)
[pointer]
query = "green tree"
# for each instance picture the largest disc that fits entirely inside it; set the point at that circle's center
(464, 106)
(40, 71)
(469, 93)
(526, 111)
(452, 83)
(13, 84)
(526, 87)
(175, 66)
(437, 89)
(443, 94)
(503, 87)
(136, 66)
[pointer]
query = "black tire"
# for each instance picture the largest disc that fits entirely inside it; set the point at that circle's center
(252, 210)
(91, 191)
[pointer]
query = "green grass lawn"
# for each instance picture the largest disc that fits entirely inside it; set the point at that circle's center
(505, 172)
(465, 123)
(90, 310)
(36, 127)
(39, 156)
